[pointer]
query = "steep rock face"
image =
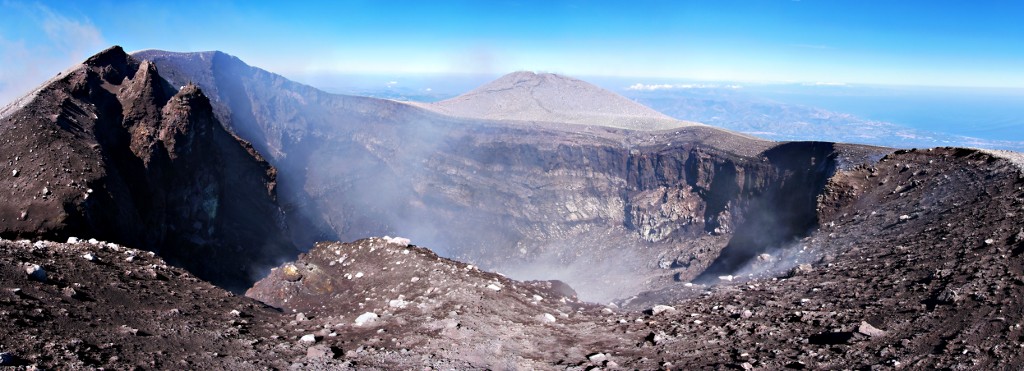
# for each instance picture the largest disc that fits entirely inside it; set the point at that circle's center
(535, 200)
(916, 264)
(110, 150)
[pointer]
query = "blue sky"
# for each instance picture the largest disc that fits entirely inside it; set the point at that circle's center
(946, 43)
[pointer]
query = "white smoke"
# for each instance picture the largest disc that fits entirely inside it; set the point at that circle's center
(52, 42)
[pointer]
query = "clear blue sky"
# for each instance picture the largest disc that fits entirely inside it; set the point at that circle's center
(949, 43)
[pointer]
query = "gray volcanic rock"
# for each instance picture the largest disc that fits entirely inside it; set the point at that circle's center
(872, 269)
(109, 150)
(548, 97)
(129, 309)
(590, 205)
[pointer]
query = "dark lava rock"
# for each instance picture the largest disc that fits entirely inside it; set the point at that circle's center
(121, 155)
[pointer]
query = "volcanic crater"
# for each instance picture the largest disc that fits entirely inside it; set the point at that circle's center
(624, 238)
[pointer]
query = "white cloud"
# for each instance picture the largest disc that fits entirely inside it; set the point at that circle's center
(653, 87)
(52, 43)
(825, 83)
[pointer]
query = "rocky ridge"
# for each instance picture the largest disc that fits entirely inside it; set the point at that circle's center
(110, 150)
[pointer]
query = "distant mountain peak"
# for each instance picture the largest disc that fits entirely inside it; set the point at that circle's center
(549, 97)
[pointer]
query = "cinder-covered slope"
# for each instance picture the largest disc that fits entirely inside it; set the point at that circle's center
(386, 294)
(916, 265)
(102, 305)
(548, 97)
(109, 150)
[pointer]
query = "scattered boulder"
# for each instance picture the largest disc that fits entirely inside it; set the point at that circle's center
(35, 272)
(656, 338)
(869, 330)
(402, 241)
(547, 318)
(799, 270)
(365, 318)
(659, 309)
(70, 293)
(308, 339)
(399, 303)
(948, 296)
(597, 357)
(321, 351)
(291, 273)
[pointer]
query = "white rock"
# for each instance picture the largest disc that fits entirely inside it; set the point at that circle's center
(494, 287)
(658, 309)
(397, 241)
(597, 357)
(36, 272)
(398, 303)
(93, 241)
(359, 274)
(726, 278)
(869, 330)
(548, 318)
(308, 338)
(414, 279)
(72, 239)
(368, 317)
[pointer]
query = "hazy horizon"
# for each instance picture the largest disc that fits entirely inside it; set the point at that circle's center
(906, 43)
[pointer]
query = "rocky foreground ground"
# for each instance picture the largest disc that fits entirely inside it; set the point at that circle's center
(918, 266)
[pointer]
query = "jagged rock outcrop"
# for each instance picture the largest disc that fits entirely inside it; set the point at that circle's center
(110, 150)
